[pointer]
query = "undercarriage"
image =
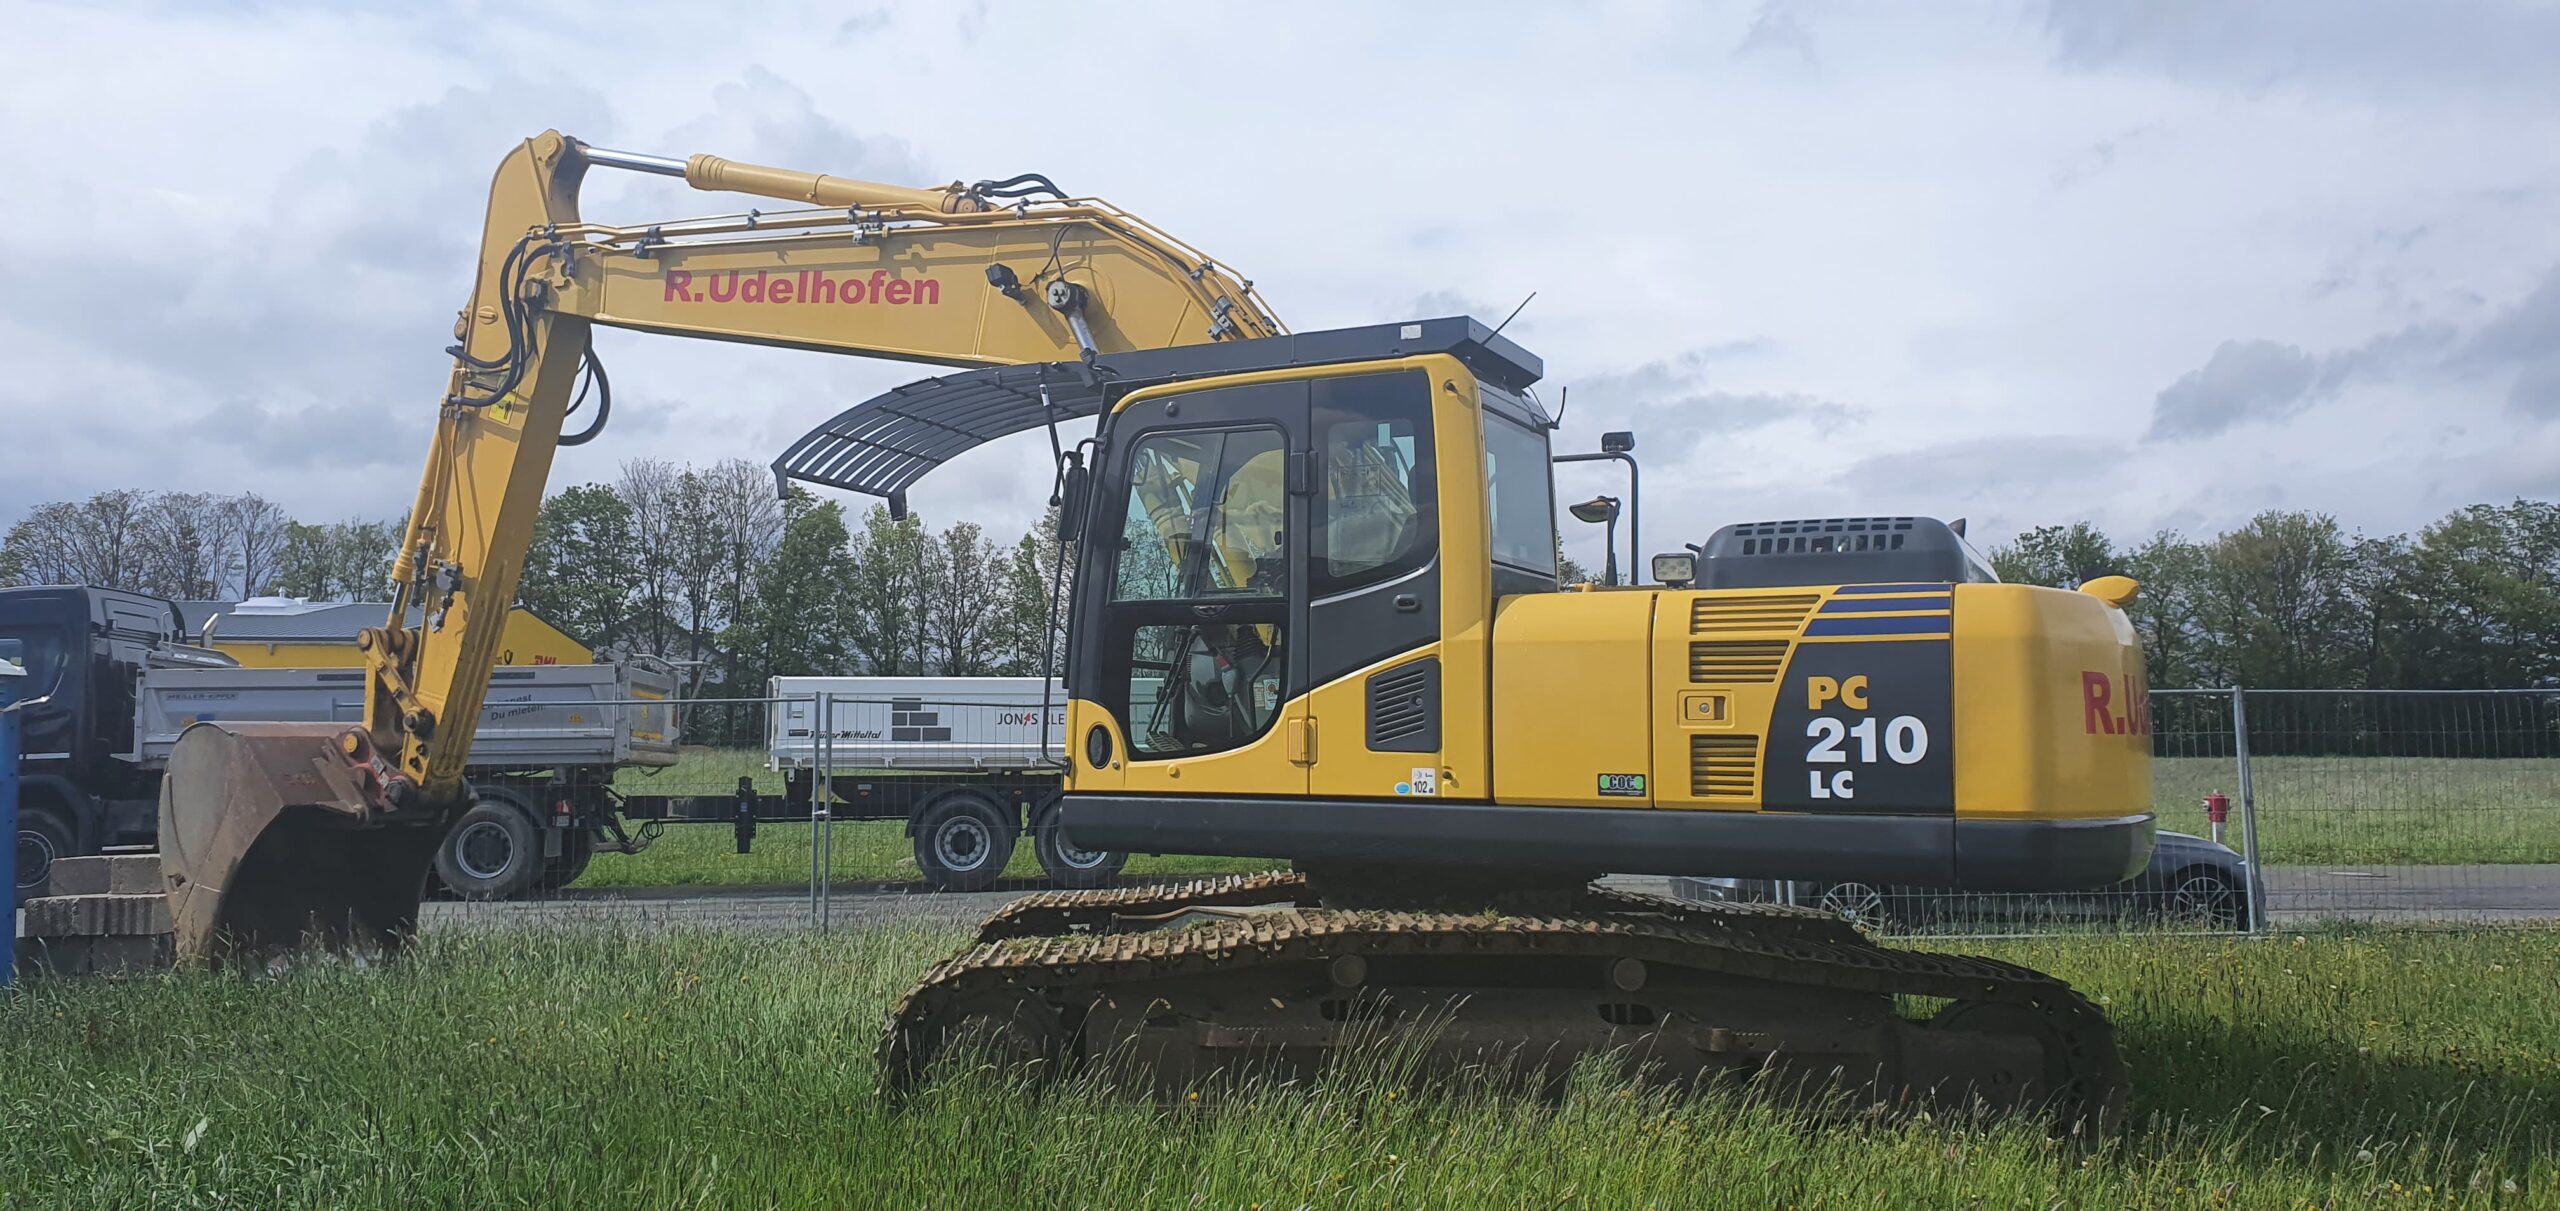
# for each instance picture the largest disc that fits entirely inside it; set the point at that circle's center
(1174, 986)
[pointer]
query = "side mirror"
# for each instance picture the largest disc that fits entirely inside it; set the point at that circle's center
(1071, 500)
(1675, 571)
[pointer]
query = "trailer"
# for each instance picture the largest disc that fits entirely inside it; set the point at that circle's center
(971, 764)
(125, 682)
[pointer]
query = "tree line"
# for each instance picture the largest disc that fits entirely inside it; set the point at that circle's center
(700, 566)
(2293, 600)
(704, 566)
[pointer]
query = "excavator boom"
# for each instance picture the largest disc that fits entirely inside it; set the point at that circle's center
(261, 824)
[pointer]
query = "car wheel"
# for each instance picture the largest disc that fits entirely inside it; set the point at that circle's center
(963, 842)
(493, 853)
(43, 837)
(1069, 866)
(1866, 904)
(2204, 894)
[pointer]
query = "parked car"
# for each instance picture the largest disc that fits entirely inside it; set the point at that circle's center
(2190, 881)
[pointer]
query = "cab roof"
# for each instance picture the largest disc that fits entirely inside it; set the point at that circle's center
(884, 444)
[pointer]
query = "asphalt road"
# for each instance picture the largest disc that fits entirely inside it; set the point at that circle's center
(2296, 895)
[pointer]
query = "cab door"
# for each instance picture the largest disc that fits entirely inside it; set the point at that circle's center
(1375, 581)
(1196, 659)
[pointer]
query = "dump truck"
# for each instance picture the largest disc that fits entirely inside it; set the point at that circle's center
(125, 682)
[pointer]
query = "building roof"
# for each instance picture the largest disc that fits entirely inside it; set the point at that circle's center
(292, 620)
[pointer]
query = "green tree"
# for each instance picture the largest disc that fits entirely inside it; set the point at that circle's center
(2169, 613)
(882, 593)
(2282, 606)
(798, 621)
(2061, 557)
(581, 571)
(2480, 596)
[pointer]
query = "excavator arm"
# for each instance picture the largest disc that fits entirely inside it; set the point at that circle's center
(273, 834)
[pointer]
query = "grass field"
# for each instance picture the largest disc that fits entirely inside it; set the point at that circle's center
(2377, 810)
(2311, 811)
(564, 1068)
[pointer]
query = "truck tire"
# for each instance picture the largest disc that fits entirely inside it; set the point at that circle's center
(493, 853)
(963, 841)
(44, 835)
(1068, 866)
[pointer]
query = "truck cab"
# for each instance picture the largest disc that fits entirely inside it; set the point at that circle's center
(85, 648)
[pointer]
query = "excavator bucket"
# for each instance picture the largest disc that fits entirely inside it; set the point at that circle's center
(270, 843)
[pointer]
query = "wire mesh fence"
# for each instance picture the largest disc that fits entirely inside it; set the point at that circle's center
(2406, 806)
(2277, 809)
(2287, 808)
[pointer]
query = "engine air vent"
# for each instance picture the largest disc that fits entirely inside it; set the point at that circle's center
(1737, 661)
(1724, 767)
(1755, 612)
(1826, 535)
(1404, 708)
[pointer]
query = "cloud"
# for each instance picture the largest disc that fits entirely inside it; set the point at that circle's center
(2242, 381)
(763, 118)
(2261, 380)
(2524, 339)
(1673, 409)
(2463, 45)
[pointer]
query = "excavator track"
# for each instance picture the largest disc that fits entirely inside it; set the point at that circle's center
(1177, 991)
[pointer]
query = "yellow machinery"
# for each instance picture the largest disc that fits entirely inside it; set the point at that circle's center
(1315, 617)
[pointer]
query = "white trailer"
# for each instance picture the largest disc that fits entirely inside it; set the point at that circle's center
(970, 763)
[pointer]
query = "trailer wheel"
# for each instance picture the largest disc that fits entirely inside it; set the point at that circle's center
(43, 836)
(963, 841)
(1068, 866)
(493, 853)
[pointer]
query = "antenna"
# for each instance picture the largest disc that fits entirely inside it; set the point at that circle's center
(1563, 397)
(1515, 314)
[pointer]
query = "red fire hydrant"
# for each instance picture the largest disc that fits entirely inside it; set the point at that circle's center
(2217, 809)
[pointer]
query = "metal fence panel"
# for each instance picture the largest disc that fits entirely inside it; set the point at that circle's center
(2407, 806)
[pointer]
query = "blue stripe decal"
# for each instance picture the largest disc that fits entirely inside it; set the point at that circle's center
(1897, 588)
(1879, 605)
(1938, 626)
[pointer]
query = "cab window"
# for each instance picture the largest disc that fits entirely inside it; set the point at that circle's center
(1520, 495)
(1377, 518)
(1199, 592)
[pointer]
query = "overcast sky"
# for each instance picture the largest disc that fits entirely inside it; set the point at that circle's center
(2157, 265)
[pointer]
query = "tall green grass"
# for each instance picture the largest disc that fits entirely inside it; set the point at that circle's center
(590, 1068)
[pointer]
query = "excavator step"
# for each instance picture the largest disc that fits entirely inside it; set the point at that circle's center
(1678, 993)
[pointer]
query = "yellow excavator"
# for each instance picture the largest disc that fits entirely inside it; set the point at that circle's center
(1315, 617)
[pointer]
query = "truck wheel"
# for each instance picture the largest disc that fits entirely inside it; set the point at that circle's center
(43, 835)
(1070, 867)
(493, 853)
(963, 842)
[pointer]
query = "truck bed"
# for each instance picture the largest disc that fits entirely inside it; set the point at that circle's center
(538, 716)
